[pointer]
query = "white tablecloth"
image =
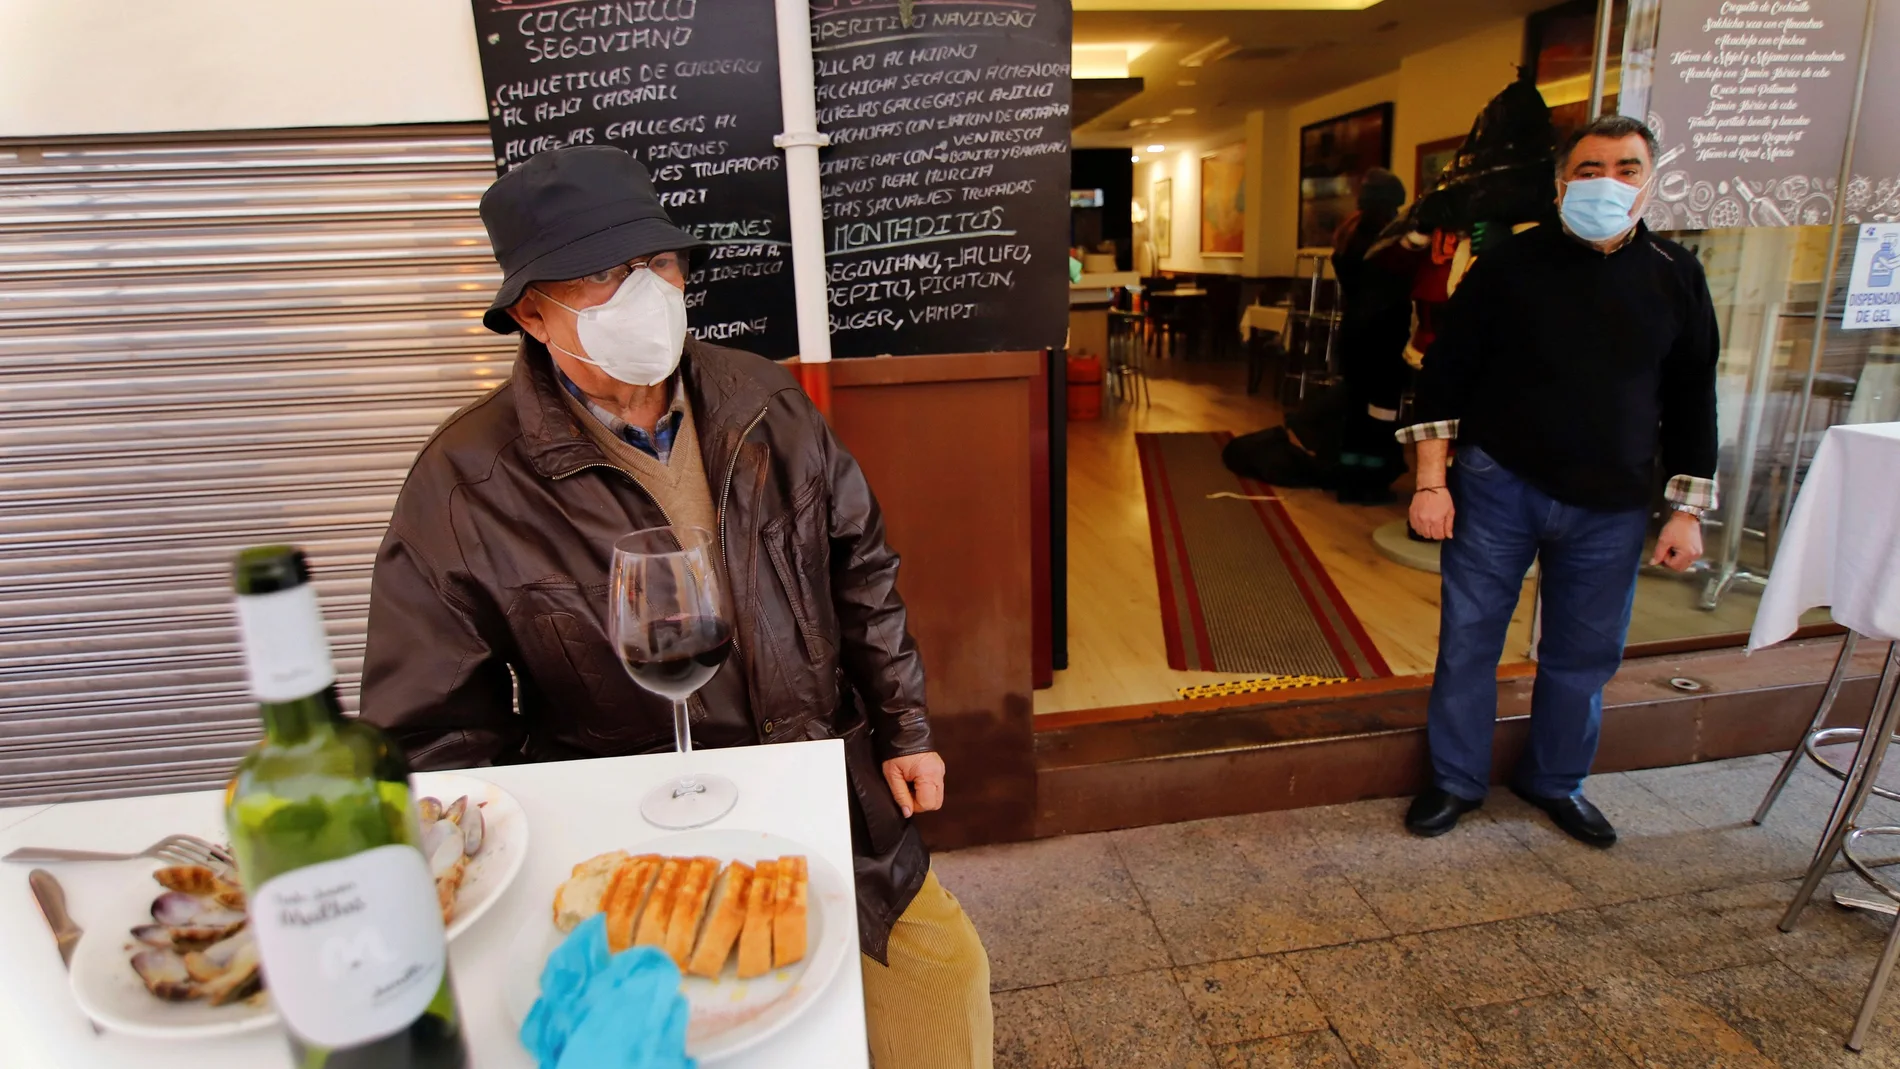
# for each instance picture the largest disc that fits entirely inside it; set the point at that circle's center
(1842, 545)
(575, 810)
(1268, 317)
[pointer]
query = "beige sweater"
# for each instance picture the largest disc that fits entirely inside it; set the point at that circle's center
(679, 485)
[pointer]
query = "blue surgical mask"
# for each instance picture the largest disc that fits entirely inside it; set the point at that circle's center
(1598, 209)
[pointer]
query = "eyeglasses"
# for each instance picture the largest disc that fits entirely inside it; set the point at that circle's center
(667, 265)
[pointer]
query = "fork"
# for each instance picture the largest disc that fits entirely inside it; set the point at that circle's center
(177, 849)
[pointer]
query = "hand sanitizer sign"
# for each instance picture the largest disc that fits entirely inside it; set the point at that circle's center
(1873, 290)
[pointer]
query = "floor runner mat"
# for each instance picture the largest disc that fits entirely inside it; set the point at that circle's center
(1240, 589)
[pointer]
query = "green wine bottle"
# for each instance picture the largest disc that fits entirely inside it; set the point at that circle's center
(324, 826)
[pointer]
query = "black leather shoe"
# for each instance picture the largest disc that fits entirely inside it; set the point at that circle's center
(1575, 816)
(1436, 812)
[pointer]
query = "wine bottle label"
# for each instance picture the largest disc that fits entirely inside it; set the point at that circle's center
(285, 649)
(353, 949)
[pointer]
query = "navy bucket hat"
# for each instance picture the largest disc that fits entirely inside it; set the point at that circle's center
(569, 212)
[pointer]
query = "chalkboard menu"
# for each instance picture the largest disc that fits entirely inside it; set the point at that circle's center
(691, 88)
(946, 183)
(1873, 195)
(1750, 101)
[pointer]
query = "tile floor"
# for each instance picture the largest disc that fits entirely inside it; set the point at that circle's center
(1331, 939)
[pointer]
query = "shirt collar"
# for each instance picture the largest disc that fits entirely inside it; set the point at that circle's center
(675, 407)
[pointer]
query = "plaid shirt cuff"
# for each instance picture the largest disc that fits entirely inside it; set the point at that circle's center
(1691, 492)
(1421, 432)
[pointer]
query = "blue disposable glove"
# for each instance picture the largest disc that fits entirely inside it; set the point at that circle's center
(607, 1011)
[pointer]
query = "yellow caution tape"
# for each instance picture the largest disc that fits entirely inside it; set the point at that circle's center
(1255, 686)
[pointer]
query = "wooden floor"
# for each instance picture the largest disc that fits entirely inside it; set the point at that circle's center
(1116, 651)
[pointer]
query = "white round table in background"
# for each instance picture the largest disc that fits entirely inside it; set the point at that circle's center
(1842, 544)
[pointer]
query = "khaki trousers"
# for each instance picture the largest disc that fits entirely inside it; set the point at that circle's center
(930, 1008)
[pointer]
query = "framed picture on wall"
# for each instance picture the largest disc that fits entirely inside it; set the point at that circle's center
(1223, 201)
(1161, 216)
(1334, 157)
(1433, 158)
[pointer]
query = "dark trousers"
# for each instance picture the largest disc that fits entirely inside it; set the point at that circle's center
(1588, 561)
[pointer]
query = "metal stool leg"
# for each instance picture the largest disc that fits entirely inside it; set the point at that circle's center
(1870, 1003)
(1820, 717)
(1860, 783)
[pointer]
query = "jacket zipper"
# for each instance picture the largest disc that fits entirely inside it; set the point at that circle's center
(725, 495)
(648, 494)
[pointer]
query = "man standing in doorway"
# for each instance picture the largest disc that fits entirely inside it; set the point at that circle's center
(1570, 357)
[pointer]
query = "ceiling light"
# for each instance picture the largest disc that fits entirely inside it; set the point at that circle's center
(1160, 119)
(1184, 111)
(1157, 148)
(1209, 53)
(1134, 159)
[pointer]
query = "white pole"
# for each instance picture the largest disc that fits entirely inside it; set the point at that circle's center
(1600, 59)
(801, 141)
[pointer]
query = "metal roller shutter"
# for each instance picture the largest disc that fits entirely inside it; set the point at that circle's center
(208, 343)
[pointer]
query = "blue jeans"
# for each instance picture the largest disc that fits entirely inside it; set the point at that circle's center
(1589, 561)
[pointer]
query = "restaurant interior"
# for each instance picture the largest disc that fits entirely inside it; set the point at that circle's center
(1215, 159)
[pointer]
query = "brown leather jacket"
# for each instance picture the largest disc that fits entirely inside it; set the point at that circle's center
(498, 555)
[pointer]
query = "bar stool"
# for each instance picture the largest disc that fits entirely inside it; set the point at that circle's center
(1843, 834)
(1817, 736)
(1127, 370)
(1838, 550)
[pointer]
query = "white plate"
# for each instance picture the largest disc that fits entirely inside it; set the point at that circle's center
(504, 842)
(111, 993)
(729, 1015)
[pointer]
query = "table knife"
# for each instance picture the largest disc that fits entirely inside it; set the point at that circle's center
(52, 901)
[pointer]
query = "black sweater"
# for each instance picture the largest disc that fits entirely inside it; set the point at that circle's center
(1571, 367)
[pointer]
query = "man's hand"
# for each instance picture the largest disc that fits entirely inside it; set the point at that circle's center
(1680, 543)
(1432, 513)
(1431, 504)
(916, 781)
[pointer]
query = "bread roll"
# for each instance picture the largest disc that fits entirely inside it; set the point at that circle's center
(755, 938)
(789, 913)
(627, 897)
(689, 907)
(725, 916)
(659, 908)
(580, 897)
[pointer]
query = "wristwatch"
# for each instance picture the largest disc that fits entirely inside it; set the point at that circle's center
(1694, 510)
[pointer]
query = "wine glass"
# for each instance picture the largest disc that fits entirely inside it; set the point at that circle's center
(671, 625)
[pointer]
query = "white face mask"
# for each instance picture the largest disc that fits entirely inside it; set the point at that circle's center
(637, 335)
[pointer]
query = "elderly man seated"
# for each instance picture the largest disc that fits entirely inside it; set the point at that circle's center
(488, 637)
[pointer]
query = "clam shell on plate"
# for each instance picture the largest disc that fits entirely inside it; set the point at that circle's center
(194, 920)
(165, 975)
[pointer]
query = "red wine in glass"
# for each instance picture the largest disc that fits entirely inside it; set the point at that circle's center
(678, 656)
(669, 617)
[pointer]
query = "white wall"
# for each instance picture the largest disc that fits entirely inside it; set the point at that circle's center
(147, 66)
